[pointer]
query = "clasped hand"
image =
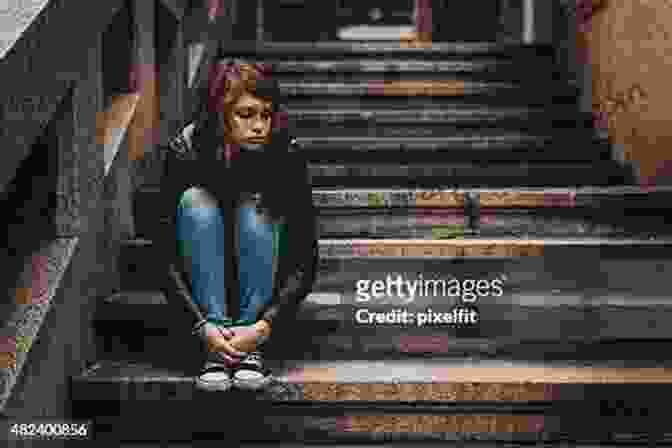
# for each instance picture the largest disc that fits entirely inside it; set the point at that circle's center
(234, 344)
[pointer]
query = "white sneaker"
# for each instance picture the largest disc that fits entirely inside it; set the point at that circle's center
(251, 374)
(214, 377)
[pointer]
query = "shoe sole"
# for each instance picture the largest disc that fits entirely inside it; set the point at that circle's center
(251, 384)
(213, 386)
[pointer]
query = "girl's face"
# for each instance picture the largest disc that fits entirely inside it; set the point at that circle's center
(250, 120)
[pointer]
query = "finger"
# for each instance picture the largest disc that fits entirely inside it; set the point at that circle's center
(231, 350)
(225, 332)
(229, 360)
(244, 344)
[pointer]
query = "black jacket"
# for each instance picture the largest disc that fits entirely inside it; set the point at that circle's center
(280, 171)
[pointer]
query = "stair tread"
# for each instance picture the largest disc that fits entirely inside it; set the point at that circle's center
(388, 65)
(475, 241)
(436, 371)
(438, 88)
(507, 248)
(334, 48)
(442, 174)
(299, 113)
(418, 104)
(633, 196)
(331, 300)
(492, 137)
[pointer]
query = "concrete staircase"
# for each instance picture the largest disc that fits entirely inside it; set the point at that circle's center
(457, 163)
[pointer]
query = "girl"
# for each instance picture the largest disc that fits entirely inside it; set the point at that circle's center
(243, 234)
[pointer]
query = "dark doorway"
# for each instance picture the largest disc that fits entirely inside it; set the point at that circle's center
(466, 20)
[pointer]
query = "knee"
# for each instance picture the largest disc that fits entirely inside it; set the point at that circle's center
(199, 206)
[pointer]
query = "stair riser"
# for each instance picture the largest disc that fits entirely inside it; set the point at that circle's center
(523, 224)
(307, 122)
(447, 106)
(599, 269)
(498, 325)
(448, 136)
(459, 429)
(398, 151)
(633, 200)
(516, 332)
(181, 413)
(487, 75)
(479, 93)
(491, 67)
(324, 429)
(441, 175)
(528, 224)
(443, 51)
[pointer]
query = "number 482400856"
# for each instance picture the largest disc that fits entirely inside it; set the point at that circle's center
(47, 429)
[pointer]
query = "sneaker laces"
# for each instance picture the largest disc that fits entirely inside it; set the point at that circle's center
(254, 358)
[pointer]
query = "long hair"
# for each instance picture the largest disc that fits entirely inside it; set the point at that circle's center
(227, 82)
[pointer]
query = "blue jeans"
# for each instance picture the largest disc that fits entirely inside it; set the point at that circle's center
(200, 232)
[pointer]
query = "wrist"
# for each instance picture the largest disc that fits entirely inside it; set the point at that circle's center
(263, 328)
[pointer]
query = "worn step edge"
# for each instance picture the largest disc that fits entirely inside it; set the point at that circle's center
(526, 378)
(630, 196)
(368, 65)
(300, 50)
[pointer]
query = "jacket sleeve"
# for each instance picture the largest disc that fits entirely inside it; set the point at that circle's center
(179, 163)
(304, 251)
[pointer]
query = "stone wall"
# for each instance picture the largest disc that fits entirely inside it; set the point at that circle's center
(627, 45)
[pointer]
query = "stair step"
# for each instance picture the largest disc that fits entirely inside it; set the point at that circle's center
(407, 213)
(412, 64)
(611, 289)
(527, 264)
(478, 248)
(622, 198)
(605, 328)
(445, 136)
(551, 76)
(455, 223)
(444, 104)
(484, 69)
(488, 92)
(443, 50)
(353, 115)
(403, 148)
(466, 175)
(411, 399)
(343, 324)
(633, 212)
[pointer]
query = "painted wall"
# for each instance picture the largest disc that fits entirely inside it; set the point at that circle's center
(627, 45)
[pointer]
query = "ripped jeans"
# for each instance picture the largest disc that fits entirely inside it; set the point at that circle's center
(200, 233)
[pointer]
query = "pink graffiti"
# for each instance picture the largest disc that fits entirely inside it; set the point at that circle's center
(601, 120)
(423, 16)
(281, 120)
(343, 424)
(537, 423)
(551, 392)
(139, 75)
(8, 344)
(376, 87)
(39, 278)
(214, 7)
(436, 344)
(295, 375)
